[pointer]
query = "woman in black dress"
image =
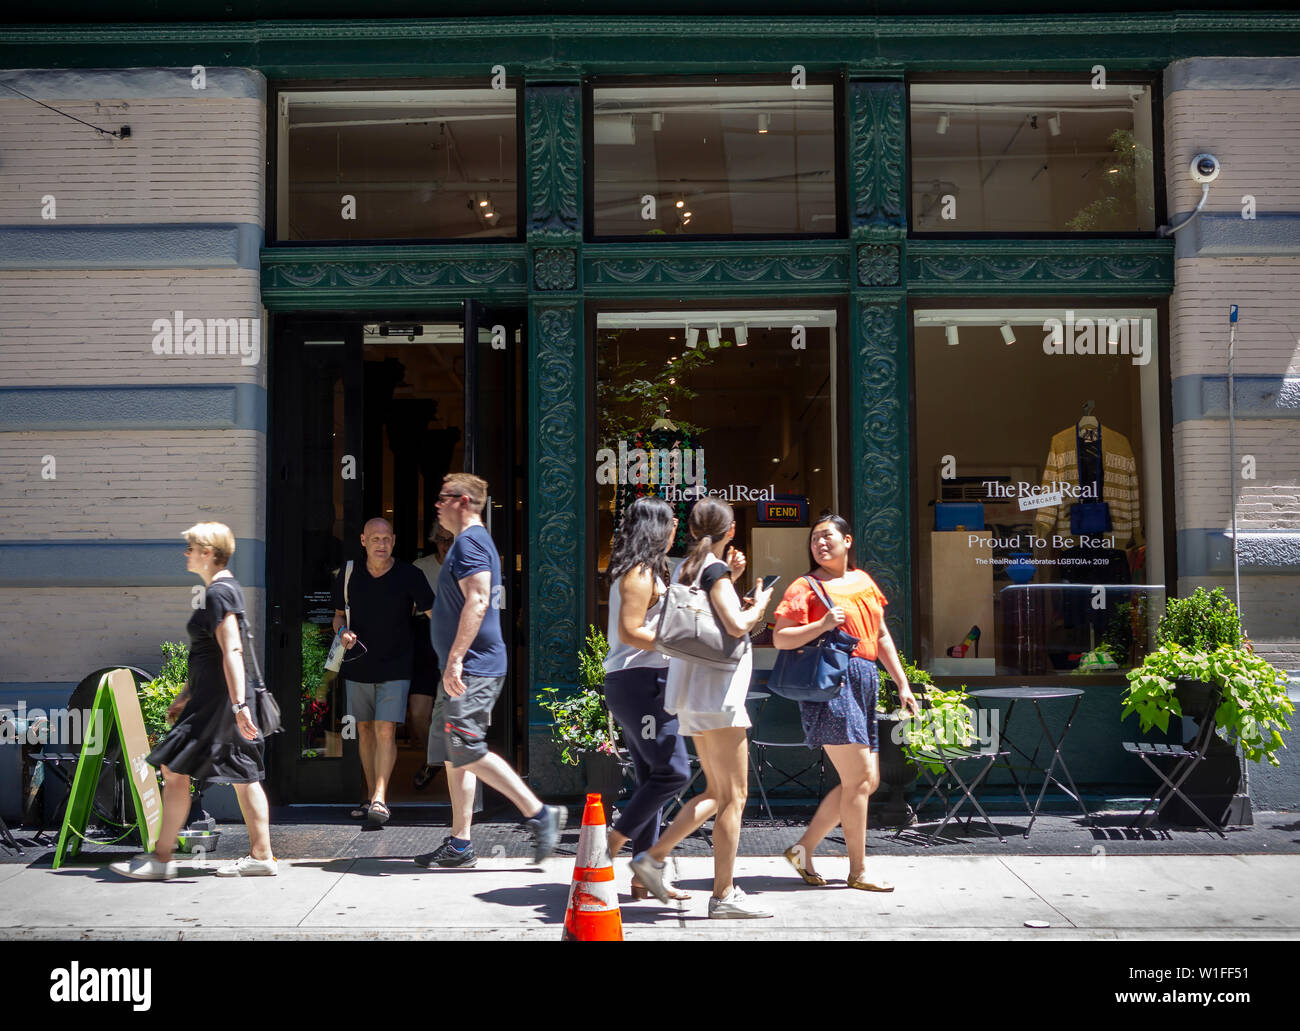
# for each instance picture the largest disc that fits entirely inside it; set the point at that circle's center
(214, 739)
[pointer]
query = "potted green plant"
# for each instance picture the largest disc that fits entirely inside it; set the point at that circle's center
(583, 730)
(897, 773)
(156, 697)
(1201, 650)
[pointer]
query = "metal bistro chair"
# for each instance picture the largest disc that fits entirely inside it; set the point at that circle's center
(778, 726)
(1184, 757)
(951, 757)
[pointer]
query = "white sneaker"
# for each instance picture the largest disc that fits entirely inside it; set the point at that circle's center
(736, 906)
(250, 867)
(145, 868)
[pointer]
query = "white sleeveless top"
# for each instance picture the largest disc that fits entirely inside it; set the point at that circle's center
(624, 656)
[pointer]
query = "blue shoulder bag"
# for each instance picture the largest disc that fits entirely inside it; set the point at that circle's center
(814, 672)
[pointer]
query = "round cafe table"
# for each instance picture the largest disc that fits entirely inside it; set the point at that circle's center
(1036, 696)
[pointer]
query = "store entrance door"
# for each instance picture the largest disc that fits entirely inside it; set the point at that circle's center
(368, 412)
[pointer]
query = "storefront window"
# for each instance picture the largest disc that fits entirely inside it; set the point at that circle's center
(713, 160)
(1038, 480)
(396, 165)
(737, 404)
(1022, 158)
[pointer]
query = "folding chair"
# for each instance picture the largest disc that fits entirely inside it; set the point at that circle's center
(778, 726)
(951, 757)
(1184, 757)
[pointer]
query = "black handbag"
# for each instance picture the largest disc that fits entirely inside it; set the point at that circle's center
(814, 672)
(265, 709)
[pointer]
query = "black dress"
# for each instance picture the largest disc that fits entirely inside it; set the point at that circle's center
(206, 743)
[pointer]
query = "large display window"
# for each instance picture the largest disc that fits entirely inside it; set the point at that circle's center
(396, 164)
(1040, 523)
(1047, 157)
(713, 160)
(736, 403)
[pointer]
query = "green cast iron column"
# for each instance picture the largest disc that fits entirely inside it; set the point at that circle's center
(557, 390)
(879, 370)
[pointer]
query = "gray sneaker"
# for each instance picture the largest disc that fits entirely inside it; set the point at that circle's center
(546, 831)
(736, 906)
(448, 855)
(651, 875)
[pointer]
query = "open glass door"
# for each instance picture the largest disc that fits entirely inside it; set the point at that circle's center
(368, 415)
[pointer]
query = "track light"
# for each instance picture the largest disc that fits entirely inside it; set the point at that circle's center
(657, 120)
(742, 336)
(1054, 124)
(951, 332)
(942, 127)
(692, 336)
(1007, 335)
(715, 336)
(764, 122)
(1112, 334)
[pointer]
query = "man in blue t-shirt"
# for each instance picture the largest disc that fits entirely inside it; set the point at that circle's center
(466, 631)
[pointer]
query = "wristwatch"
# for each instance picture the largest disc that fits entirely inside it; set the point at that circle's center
(237, 706)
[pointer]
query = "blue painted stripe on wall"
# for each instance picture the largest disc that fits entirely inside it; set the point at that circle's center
(1209, 552)
(1219, 235)
(145, 246)
(50, 84)
(1255, 397)
(228, 406)
(117, 563)
(1233, 73)
(48, 695)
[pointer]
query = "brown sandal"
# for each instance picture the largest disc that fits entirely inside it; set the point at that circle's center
(793, 857)
(853, 882)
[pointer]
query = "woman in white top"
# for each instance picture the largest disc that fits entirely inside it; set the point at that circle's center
(635, 676)
(710, 706)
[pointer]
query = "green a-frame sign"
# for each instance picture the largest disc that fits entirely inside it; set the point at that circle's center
(116, 706)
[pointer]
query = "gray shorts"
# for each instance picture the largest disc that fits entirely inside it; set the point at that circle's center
(385, 700)
(458, 734)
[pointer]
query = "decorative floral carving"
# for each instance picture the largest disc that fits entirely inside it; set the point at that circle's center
(878, 264)
(1036, 268)
(828, 269)
(876, 146)
(554, 149)
(557, 493)
(555, 268)
(348, 274)
(880, 453)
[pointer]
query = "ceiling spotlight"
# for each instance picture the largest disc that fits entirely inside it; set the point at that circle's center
(692, 336)
(657, 120)
(1112, 334)
(776, 461)
(1054, 124)
(951, 332)
(715, 336)
(942, 127)
(681, 201)
(1007, 335)
(764, 122)
(742, 336)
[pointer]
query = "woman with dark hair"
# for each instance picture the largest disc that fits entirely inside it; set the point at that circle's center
(846, 725)
(710, 706)
(635, 676)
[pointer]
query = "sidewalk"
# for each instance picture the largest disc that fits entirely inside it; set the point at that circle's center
(1099, 892)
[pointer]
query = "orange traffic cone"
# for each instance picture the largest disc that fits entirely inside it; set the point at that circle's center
(592, 914)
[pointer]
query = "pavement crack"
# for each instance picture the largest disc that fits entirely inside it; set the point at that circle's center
(1036, 892)
(329, 888)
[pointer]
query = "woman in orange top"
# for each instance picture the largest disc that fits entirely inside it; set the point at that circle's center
(846, 725)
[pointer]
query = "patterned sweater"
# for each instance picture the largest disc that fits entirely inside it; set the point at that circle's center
(1119, 486)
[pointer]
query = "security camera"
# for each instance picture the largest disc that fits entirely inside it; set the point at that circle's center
(1205, 168)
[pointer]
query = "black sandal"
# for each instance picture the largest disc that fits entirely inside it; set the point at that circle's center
(421, 780)
(361, 811)
(378, 814)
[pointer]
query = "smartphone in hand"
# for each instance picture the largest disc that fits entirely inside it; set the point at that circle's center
(768, 581)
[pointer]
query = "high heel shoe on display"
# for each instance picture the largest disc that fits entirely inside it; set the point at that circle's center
(958, 651)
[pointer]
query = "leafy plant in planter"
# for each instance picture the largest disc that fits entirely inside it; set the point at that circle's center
(314, 703)
(1200, 640)
(158, 694)
(581, 722)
